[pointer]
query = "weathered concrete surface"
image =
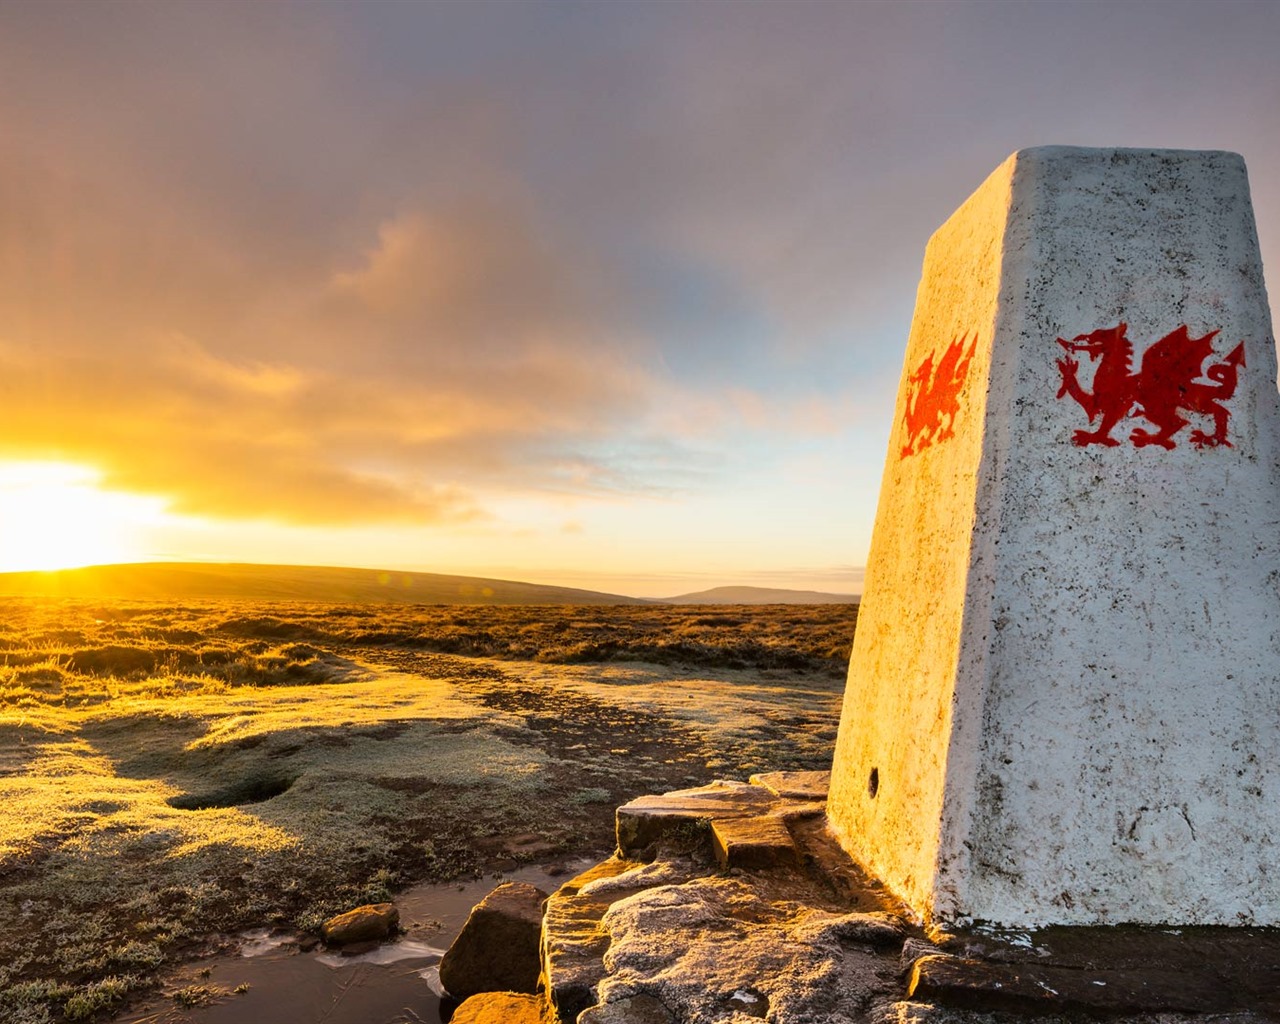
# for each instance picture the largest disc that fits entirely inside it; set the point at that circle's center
(1065, 685)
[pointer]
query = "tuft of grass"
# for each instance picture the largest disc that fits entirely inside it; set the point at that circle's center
(197, 995)
(591, 795)
(97, 996)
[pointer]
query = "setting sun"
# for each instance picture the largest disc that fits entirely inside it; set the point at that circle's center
(55, 515)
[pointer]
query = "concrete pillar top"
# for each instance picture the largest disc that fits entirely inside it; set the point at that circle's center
(1064, 695)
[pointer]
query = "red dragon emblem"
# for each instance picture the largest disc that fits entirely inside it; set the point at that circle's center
(934, 398)
(1160, 392)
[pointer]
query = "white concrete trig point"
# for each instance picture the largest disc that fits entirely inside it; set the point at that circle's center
(1064, 697)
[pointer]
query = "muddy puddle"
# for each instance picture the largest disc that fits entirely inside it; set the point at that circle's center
(273, 981)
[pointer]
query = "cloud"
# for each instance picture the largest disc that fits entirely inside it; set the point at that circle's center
(448, 350)
(477, 271)
(309, 445)
(218, 440)
(370, 263)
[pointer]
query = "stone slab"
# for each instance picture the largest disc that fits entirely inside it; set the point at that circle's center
(981, 985)
(1241, 962)
(797, 810)
(794, 785)
(911, 1012)
(1064, 693)
(758, 842)
(685, 814)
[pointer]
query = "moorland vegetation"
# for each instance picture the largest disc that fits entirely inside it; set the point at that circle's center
(172, 774)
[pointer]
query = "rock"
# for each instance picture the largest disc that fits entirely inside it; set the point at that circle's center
(501, 1008)
(635, 1010)
(977, 984)
(913, 949)
(683, 817)
(759, 842)
(370, 922)
(574, 942)
(497, 949)
(794, 785)
(874, 930)
(728, 949)
(641, 876)
(360, 948)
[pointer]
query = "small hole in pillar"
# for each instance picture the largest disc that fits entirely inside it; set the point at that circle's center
(873, 782)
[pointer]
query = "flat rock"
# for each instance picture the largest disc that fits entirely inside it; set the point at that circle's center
(502, 1008)
(498, 948)
(794, 785)
(758, 842)
(982, 985)
(794, 810)
(650, 819)
(364, 924)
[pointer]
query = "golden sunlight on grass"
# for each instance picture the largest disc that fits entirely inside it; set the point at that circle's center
(73, 793)
(70, 792)
(173, 774)
(54, 515)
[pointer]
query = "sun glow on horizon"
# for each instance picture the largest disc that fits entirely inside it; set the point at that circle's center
(55, 515)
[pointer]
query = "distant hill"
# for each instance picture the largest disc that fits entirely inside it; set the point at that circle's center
(759, 595)
(179, 581)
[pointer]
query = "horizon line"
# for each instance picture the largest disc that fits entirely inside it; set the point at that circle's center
(675, 578)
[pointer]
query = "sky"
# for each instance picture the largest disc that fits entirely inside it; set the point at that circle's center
(611, 295)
